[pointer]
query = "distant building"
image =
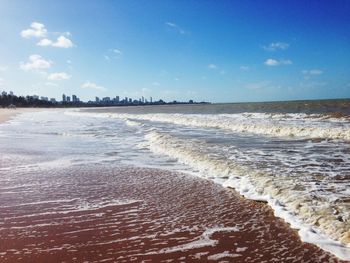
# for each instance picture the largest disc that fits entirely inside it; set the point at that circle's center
(130, 100)
(68, 98)
(53, 100)
(151, 99)
(4, 93)
(44, 98)
(97, 99)
(117, 99)
(75, 99)
(36, 97)
(11, 93)
(106, 99)
(64, 98)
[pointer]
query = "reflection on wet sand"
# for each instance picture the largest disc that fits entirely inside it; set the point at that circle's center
(122, 214)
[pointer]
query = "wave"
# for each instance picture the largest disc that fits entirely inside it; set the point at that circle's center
(319, 221)
(278, 125)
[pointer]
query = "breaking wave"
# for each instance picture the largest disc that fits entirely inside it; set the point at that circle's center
(278, 125)
(319, 220)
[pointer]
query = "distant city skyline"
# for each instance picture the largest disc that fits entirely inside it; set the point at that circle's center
(218, 51)
(10, 100)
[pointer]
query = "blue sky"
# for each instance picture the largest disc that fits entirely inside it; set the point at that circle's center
(219, 51)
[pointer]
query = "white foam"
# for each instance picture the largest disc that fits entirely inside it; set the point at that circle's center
(202, 241)
(280, 125)
(222, 255)
(315, 220)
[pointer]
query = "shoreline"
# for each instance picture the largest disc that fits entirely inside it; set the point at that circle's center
(8, 114)
(183, 218)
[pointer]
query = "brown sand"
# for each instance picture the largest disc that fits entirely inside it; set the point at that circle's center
(7, 114)
(108, 214)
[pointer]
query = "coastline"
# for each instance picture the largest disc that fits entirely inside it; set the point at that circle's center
(8, 114)
(226, 208)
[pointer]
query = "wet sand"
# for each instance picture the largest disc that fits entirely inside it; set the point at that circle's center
(104, 213)
(7, 114)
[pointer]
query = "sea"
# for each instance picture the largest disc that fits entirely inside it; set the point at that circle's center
(292, 156)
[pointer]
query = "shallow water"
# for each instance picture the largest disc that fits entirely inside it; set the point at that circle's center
(104, 213)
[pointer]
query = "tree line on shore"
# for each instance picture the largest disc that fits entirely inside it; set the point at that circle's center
(21, 101)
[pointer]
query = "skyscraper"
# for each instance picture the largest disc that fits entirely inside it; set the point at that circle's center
(64, 98)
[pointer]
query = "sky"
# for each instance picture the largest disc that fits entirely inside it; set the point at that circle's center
(217, 51)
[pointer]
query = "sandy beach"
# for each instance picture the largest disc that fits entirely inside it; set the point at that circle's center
(7, 114)
(109, 214)
(74, 189)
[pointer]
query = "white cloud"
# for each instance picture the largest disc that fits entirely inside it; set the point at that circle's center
(69, 61)
(271, 62)
(171, 24)
(61, 42)
(107, 57)
(212, 66)
(35, 62)
(274, 62)
(91, 85)
(44, 42)
(176, 28)
(36, 30)
(312, 72)
(223, 72)
(59, 76)
(117, 51)
(276, 46)
(176, 79)
(156, 83)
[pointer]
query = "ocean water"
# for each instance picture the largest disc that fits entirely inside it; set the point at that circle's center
(293, 155)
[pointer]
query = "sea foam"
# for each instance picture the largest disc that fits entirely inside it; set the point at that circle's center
(315, 219)
(280, 125)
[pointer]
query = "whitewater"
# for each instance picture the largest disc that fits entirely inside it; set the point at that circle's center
(297, 162)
